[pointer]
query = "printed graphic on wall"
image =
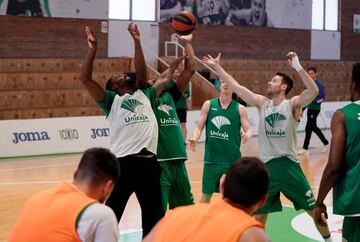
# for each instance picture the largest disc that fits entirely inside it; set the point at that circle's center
(92, 9)
(294, 14)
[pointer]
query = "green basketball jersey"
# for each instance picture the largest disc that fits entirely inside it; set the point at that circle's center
(170, 143)
(223, 138)
(347, 187)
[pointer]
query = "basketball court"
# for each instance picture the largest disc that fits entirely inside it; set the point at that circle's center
(20, 178)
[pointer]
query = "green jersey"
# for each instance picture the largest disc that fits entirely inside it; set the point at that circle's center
(170, 143)
(347, 187)
(222, 144)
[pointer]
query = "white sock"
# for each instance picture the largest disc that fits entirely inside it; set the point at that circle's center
(328, 239)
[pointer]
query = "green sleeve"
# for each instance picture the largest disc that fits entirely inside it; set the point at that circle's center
(150, 93)
(107, 102)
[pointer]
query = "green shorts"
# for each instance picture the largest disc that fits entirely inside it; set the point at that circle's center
(212, 174)
(287, 177)
(351, 229)
(175, 185)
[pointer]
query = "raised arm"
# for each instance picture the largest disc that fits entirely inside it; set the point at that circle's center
(246, 135)
(166, 76)
(333, 167)
(311, 91)
(139, 59)
(245, 94)
(184, 78)
(95, 90)
(200, 125)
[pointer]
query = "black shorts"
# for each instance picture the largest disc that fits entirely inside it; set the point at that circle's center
(181, 113)
(19, 8)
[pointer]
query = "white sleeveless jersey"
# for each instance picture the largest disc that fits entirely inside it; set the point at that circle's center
(277, 131)
(133, 125)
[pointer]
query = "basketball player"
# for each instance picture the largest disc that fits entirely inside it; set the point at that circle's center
(171, 152)
(133, 131)
(74, 211)
(343, 168)
(224, 119)
(254, 16)
(279, 118)
(227, 219)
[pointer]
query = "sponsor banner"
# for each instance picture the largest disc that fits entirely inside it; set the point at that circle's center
(68, 135)
(50, 136)
(90, 9)
(294, 14)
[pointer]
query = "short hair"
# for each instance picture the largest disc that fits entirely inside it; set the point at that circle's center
(355, 75)
(286, 80)
(246, 181)
(312, 69)
(98, 165)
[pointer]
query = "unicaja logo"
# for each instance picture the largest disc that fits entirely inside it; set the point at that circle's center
(30, 136)
(165, 108)
(220, 121)
(130, 105)
(272, 120)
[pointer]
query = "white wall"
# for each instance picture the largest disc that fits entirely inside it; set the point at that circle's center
(325, 45)
(121, 43)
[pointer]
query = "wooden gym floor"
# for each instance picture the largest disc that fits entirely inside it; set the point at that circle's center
(20, 178)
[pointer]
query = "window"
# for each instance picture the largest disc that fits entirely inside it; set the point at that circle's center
(144, 10)
(325, 15)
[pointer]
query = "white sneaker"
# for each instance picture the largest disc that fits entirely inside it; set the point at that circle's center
(325, 148)
(303, 152)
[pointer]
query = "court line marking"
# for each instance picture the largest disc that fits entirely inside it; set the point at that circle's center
(35, 167)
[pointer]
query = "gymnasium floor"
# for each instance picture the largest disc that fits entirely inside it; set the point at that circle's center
(22, 177)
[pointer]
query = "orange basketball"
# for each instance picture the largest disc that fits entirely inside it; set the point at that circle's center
(183, 23)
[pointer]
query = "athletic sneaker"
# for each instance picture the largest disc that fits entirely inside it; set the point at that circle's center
(303, 152)
(325, 148)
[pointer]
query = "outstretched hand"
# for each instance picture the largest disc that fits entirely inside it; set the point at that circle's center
(91, 39)
(245, 136)
(209, 60)
(293, 61)
(184, 39)
(134, 31)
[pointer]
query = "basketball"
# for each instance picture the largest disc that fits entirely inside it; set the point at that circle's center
(183, 23)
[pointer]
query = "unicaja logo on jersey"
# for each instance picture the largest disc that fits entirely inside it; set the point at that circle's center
(165, 108)
(272, 120)
(310, 197)
(169, 121)
(131, 105)
(219, 121)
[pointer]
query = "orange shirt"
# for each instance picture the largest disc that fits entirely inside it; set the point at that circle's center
(217, 221)
(51, 215)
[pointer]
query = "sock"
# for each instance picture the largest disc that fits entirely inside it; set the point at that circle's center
(328, 239)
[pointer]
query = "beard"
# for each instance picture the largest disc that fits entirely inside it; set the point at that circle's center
(271, 93)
